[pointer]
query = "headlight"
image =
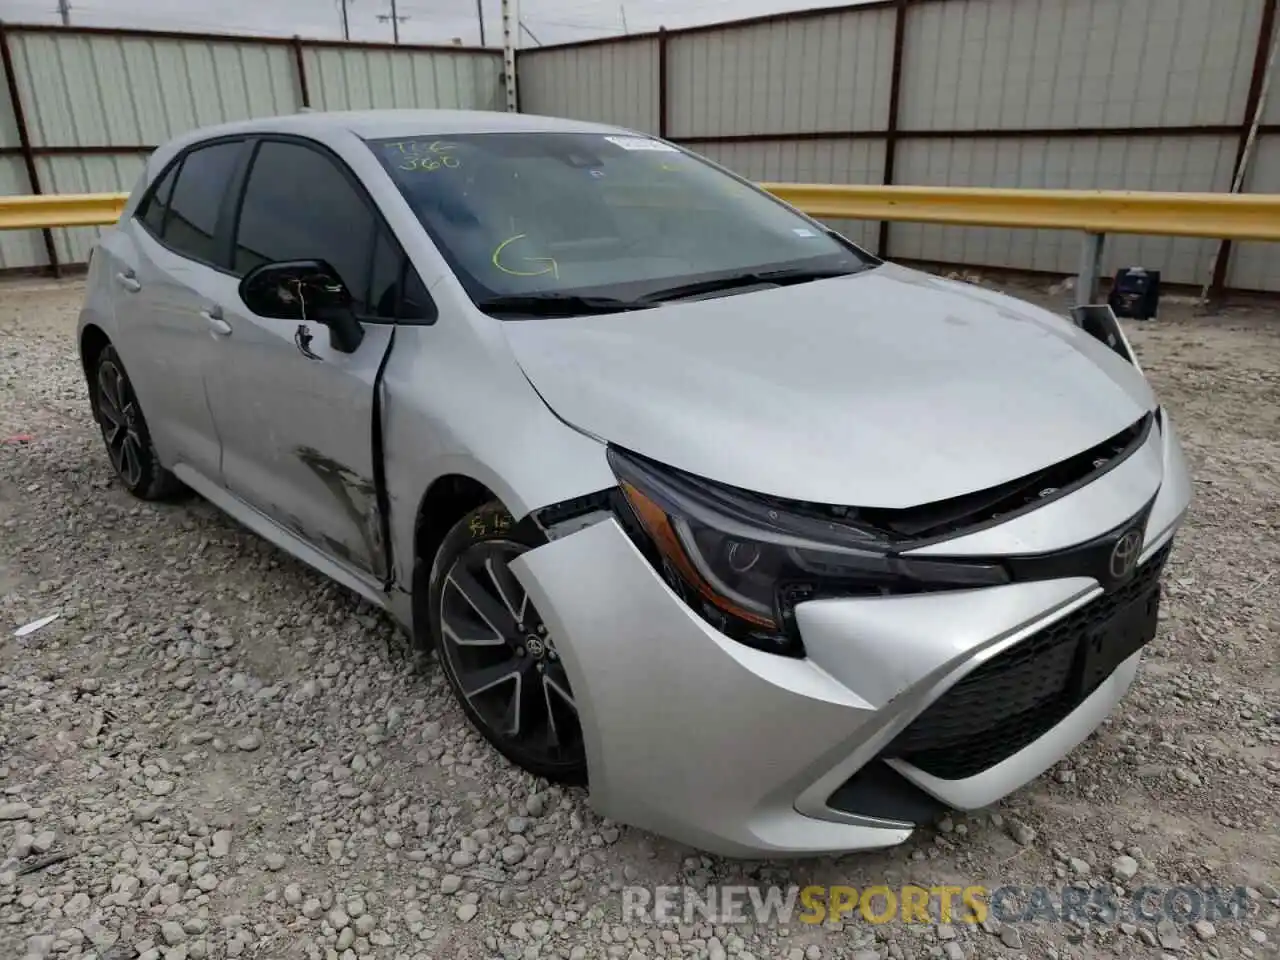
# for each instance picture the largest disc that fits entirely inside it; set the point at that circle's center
(744, 562)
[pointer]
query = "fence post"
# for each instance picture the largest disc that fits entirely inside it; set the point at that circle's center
(662, 82)
(1090, 268)
(1265, 31)
(891, 124)
(509, 40)
(24, 141)
(300, 64)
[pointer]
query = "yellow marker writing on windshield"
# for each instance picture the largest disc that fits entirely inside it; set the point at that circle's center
(425, 156)
(429, 164)
(551, 266)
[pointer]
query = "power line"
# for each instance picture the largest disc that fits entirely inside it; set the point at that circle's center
(530, 33)
(395, 19)
(346, 22)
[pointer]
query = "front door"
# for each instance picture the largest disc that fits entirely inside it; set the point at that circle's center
(296, 416)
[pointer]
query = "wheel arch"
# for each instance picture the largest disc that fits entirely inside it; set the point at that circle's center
(447, 500)
(93, 340)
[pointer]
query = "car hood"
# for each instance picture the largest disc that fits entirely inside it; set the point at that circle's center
(888, 388)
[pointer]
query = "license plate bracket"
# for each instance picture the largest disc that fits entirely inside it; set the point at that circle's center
(1128, 630)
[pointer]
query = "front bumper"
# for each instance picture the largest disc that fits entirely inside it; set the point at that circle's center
(744, 753)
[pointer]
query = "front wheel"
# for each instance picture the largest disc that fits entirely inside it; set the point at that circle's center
(498, 655)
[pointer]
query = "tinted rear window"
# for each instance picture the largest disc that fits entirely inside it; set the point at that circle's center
(197, 198)
(157, 204)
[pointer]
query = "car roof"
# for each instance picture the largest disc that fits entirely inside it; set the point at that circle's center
(367, 124)
(373, 124)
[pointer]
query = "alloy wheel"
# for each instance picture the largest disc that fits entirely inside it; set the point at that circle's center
(503, 658)
(118, 415)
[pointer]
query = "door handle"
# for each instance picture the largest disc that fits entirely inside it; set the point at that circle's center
(216, 323)
(128, 281)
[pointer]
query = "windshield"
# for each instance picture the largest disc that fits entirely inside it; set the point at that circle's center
(559, 217)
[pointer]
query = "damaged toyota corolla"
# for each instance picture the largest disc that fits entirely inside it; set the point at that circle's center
(775, 547)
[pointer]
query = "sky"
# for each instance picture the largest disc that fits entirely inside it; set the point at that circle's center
(424, 21)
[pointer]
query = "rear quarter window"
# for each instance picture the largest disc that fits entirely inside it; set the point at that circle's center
(156, 203)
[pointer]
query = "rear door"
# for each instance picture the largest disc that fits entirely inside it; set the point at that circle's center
(168, 263)
(296, 416)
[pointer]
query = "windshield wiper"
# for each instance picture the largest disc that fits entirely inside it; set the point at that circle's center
(556, 305)
(753, 278)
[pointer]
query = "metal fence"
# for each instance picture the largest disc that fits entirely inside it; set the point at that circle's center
(82, 107)
(1051, 94)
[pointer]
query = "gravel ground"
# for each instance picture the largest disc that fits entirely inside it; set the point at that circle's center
(215, 753)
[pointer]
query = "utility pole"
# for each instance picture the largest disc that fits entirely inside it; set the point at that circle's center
(480, 19)
(64, 11)
(395, 19)
(622, 9)
(510, 40)
(346, 23)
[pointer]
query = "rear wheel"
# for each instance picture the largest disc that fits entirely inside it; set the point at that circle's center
(498, 655)
(124, 430)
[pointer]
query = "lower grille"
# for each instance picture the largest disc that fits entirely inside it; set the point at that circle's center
(1019, 695)
(879, 791)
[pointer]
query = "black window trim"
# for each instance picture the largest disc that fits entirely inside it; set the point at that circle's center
(219, 236)
(240, 185)
(144, 205)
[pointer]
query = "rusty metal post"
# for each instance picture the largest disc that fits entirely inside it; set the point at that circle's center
(300, 65)
(662, 82)
(1261, 55)
(1090, 269)
(24, 141)
(891, 124)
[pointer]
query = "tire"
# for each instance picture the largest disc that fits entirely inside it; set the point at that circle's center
(495, 651)
(124, 431)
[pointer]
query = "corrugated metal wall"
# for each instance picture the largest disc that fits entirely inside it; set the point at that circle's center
(97, 102)
(615, 82)
(364, 79)
(1082, 94)
(1256, 266)
(1090, 65)
(15, 248)
(840, 161)
(1135, 94)
(1028, 64)
(126, 91)
(817, 74)
(1079, 163)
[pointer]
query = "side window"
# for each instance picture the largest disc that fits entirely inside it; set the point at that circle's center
(298, 205)
(157, 203)
(386, 277)
(416, 303)
(396, 292)
(203, 181)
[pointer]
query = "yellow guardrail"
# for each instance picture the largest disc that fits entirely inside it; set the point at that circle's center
(61, 210)
(1215, 215)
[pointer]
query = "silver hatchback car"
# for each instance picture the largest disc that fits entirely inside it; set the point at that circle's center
(778, 548)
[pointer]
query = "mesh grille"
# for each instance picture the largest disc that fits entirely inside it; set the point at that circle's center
(1017, 696)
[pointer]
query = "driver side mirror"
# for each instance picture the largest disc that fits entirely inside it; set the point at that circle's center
(304, 290)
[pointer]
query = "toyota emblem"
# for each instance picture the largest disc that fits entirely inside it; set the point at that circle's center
(1124, 555)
